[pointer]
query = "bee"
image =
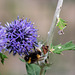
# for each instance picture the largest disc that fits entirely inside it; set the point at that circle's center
(33, 57)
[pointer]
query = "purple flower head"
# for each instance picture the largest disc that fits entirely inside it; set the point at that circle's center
(21, 35)
(3, 39)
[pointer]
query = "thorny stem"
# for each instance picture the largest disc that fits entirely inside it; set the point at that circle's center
(52, 28)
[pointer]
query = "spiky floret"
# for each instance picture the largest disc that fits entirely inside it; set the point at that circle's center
(3, 39)
(21, 35)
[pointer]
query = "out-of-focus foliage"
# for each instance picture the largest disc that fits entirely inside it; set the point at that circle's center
(2, 57)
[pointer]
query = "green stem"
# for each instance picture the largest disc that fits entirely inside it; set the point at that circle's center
(42, 70)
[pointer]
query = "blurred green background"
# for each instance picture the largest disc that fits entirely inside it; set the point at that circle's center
(41, 13)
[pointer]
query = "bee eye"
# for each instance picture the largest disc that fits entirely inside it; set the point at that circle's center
(27, 57)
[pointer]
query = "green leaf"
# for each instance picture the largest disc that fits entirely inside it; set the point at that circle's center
(61, 24)
(32, 69)
(2, 57)
(2, 61)
(22, 60)
(67, 46)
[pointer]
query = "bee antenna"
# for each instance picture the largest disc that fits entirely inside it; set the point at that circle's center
(34, 47)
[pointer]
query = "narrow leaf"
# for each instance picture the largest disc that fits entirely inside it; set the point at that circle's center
(22, 60)
(67, 46)
(61, 24)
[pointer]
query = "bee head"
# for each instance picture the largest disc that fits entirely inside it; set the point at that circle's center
(26, 58)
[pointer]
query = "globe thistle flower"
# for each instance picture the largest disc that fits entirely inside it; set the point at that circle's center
(3, 39)
(21, 35)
